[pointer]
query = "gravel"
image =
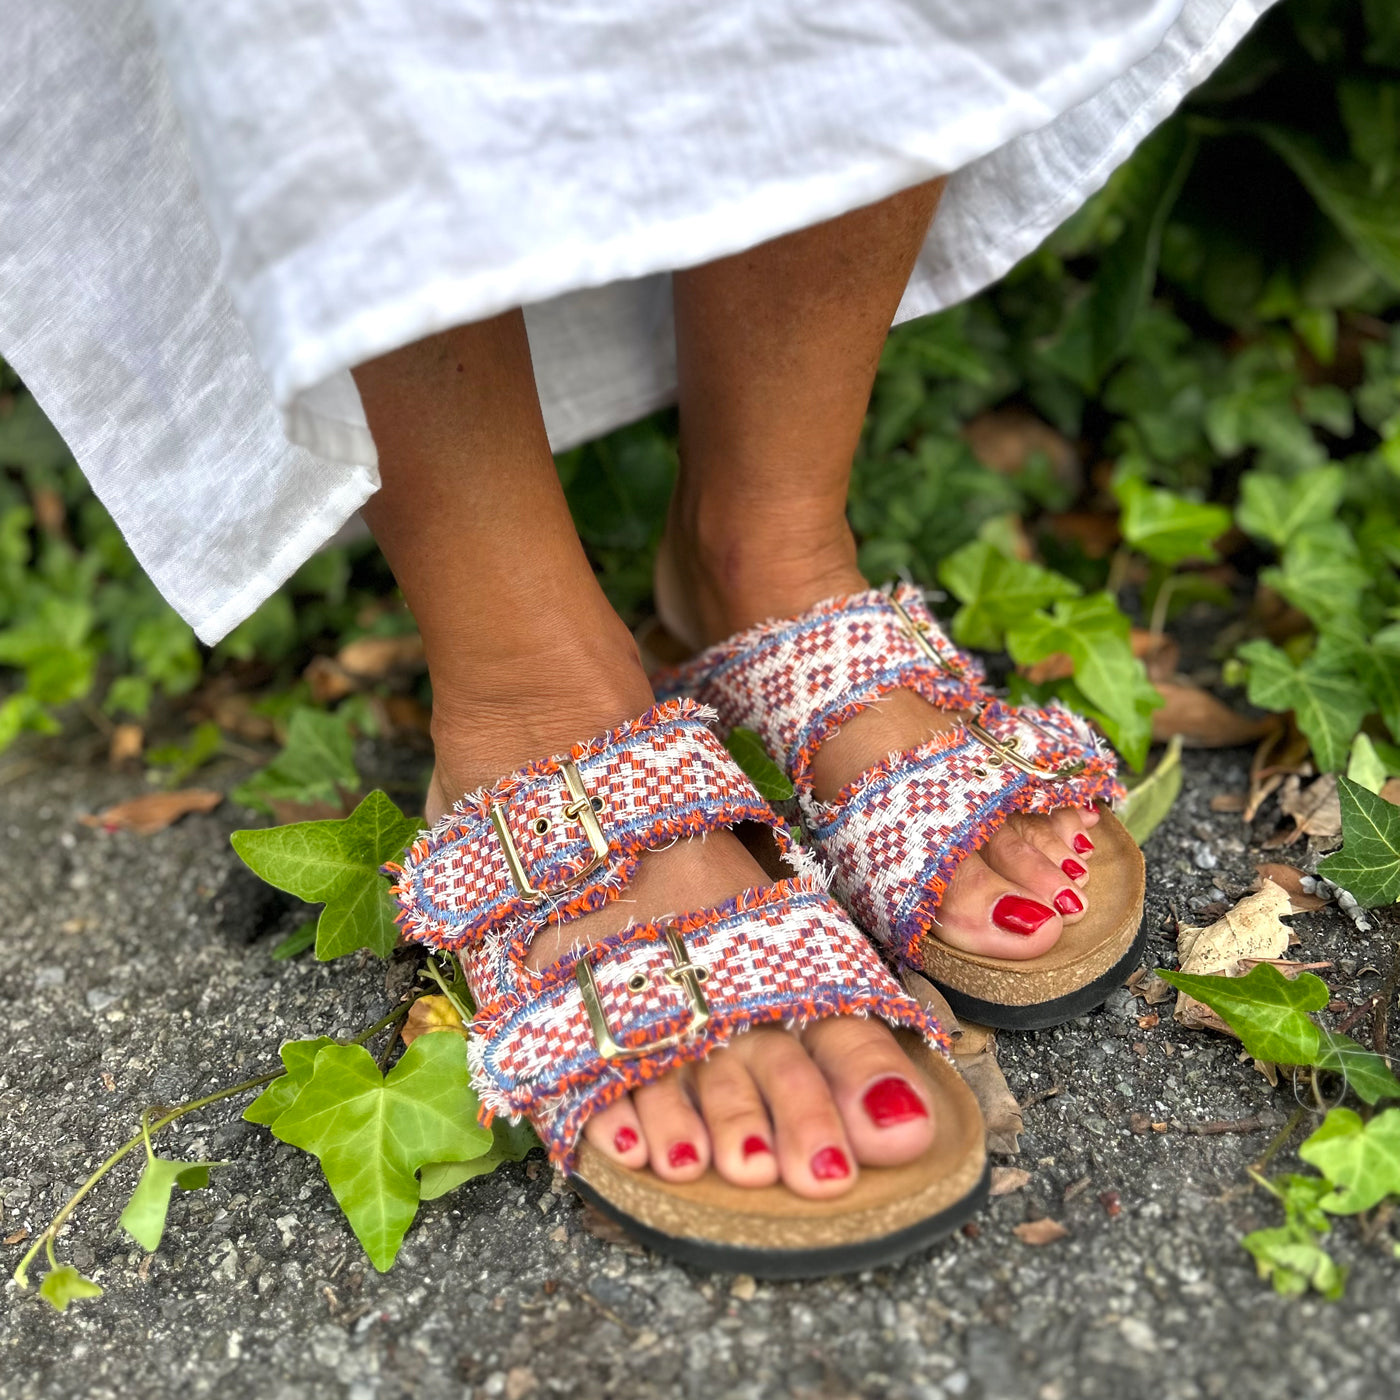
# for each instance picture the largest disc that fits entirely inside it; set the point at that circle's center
(136, 970)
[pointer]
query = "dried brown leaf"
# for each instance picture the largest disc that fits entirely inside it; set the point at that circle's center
(1280, 752)
(153, 811)
(1316, 808)
(374, 658)
(1252, 929)
(1005, 439)
(1229, 802)
(1043, 1231)
(329, 681)
(1000, 1111)
(429, 1014)
(1146, 984)
(1096, 534)
(1005, 1180)
(126, 743)
(1291, 880)
(1203, 721)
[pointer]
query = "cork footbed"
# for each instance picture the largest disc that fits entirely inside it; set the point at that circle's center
(1083, 959)
(771, 1232)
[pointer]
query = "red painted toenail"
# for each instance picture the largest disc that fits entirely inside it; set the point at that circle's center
(1067, 902)
(1017, 914)
(625, 1140)
(1073, 869)
(754, 1144)
(892, 1100)
(683, 1154)
(1082, 844)
(830, 1164)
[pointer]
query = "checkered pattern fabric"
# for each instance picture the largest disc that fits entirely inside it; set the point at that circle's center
(663, 993)
(896, 835)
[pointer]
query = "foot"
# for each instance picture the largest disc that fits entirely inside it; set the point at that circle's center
(1012, 898)
(809, 1108)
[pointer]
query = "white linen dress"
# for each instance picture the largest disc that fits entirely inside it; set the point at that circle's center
(209, 212)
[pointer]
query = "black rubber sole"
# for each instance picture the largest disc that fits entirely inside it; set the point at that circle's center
(1042, 1014)
(796, 1263)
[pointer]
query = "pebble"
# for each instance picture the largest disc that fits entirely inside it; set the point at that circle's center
(1205, 858)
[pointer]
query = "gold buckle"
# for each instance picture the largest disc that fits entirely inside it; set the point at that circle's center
(684, 973)
(579, 808)
(1008, 751)
(917, 632)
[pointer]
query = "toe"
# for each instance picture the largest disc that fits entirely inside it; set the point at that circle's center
(616, 1131)
(1027, 852)
(678, 1146)
(1071, 825)
(879, 1094)
(741, 1135)
(984, 912)
(814, 1156)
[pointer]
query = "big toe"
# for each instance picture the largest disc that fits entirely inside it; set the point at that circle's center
(880, 1095)
(984, 912)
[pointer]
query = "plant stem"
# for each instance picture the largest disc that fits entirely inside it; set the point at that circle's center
(45, 1240)
(1276, 1144)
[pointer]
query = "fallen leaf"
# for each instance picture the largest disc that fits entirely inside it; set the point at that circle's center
(1280, 752)
(1390, 791)
(1291, 880)
(1000, 1111)
(328, 680)
(1005, 1180)
(1316, 808)
(407, 715)
(427, 1014)
(153, 811)
(126, 743)
(1146, 984)
(1095, 533)
(1043, 1231)
(1145, 1023)
(605, 1228)
(374, 658)
(17, 1236)
(1005, 439)
(1202, 721)
(744, 1288)
(1229, 802)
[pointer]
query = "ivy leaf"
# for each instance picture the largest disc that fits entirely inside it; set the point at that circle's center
(510, 1142)
(772, 783)
(1093, 633)
(1320, 572)
(299, 1057)
(296, 942)
(996, 591)
(1366, 1073)
(65, 1285)
(1361, 1160)
(336, 863)
(1374, 662)
(144, 1216)
(1294, 1262)
(372, 1133)
(316, 765)
(1368, 865)
(1264, 1008)
(1168, 527)
(1326, 701)
(1275, 508)
(1364, 767)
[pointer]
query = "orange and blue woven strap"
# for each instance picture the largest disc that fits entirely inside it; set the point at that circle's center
(557, 1044)
(895, 836)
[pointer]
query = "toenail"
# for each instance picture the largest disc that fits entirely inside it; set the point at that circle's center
(1082, 844)
(1073, 869)
(1067, 902)
(892, 1100)
(753, 1145)
(683, 1154)
(830, 1164)
(625, 1140)
(1017, 914)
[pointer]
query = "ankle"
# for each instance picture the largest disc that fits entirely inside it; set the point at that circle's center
(719, 571)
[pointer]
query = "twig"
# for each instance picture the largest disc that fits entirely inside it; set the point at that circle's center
(1280, 1138)
(1387, 995)
(1039, 1096)
(1357, 1013)
(1257, 1123)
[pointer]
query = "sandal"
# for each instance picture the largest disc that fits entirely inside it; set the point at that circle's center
(564, 836)
(895, 836)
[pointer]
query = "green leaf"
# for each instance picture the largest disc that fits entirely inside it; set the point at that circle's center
(373, 1133)
(1149, 801)
(65, 1285)
(1369, 218)
(317, 765)
(1165, 526)
(297, 941)
(336, 863)
(1374, 662)
(299, 1057)
(772, 783)
(1367, 1074)
(1320, 573)
(1361, 1160)
(205, 743)
(144, 1216)
(510, 1142)
(1368, 865)
(1146, 189)
(1294, 1262)
(1264, 1008)
(1327, 703)
(1093, 632)
(1364, 767)
(1275, 508)
(996, 591)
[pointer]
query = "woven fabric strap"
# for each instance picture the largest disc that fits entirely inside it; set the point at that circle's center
(797, 681)
(895, 836)
(644, 785)
(787, 953)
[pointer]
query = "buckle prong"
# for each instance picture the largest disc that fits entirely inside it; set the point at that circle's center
(1009, 751)
(683, 973)
(579, 808)
(917, 632)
